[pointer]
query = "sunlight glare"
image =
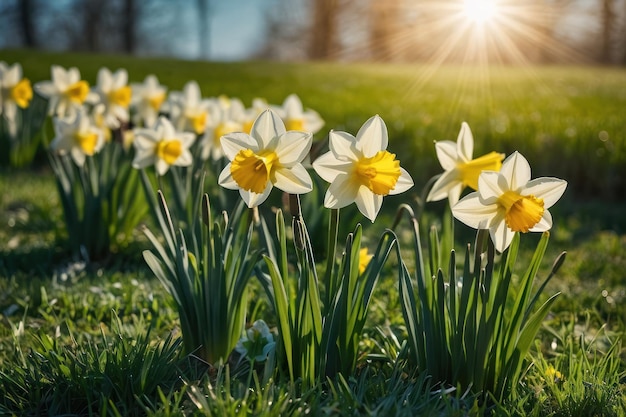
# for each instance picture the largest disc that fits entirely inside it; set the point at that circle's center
(479, 11)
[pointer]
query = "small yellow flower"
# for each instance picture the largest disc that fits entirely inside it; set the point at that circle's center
(114, 93)
(77, 136)
(364, 259)
(553, 374)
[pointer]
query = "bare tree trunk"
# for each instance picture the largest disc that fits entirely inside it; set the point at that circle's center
(324, 31)
(128, 30)
(27, 25)
(608, 20)
(204, 36)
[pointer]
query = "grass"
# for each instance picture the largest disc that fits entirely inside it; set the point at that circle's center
(71, 334)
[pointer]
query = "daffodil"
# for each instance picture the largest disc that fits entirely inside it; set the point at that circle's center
(15, 91)
(66, 92)
(460, 169)
(257, 343)
(225, 118)
(508, 201)
(162, 146)
(297, 118)
(114, 93)
(147, 100)
(77, 136)
(188, 110)
(269, 156)
(364, 259)
(361, 170)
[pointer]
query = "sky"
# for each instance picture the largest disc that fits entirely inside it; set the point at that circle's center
(236, 29)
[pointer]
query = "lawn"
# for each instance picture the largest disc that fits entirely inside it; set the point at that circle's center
(105, 337)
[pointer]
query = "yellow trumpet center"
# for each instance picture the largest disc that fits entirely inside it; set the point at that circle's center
(469, 171)
(156, 100)
(379, 173)
(169, 150)
(523, 212)
(251, 171)
(294, 124)
(22, 93)
(198, 122)
(121, 96)
(78, 91)
(87, 142)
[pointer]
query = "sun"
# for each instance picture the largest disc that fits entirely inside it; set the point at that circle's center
(480, 11)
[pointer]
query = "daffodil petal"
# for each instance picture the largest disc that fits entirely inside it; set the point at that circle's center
(546, 188)
(455, 193)
(473, 213)
(293, 181)
(45, 89)
(490, 186)
(446, 154)
(161, 166)
(142, 160)
(404, 183)
(253, 199)
(293, 106)
(342, 145)
(501, 236)
(185, 159)
(372, 136)
(341, 193)
(78, 156)
(232, 143)
(328, 167)
(544, 224)
(465, 143)
(368, 202)
(516, 170)
(144, 139)
(442, 186)
(226, 180)
(266, 127)
(292, 147)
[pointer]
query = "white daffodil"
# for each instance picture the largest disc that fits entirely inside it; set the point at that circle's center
(15, 91)
(66, 92)
(188, 110)
(113, 91)
(269, 156)
(460, 169)
(297, 118)
(162, 146)
(78, 136)
(257, 343)
(225, 118)
(361, 169)
(147, 99)
(509, 201)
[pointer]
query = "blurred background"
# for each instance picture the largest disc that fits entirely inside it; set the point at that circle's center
(508, 31)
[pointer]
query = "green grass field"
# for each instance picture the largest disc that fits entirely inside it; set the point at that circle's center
(69, 340)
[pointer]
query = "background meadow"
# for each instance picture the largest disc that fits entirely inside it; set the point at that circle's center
(76, 332)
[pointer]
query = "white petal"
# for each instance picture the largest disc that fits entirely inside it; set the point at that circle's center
(293, 181)
(143, 159)
(120, 78)
(455, 193)
(105, 80)
(342, 145)
(441, 188)
(267, 127)
(447, 154)
(145, 140)
(372, 137)
(465, 143)
(549, 189)
(161, 166)
(501, 236)
(545, 223)
(329, 167)
(78, 156)
(368, 203)
(491, 186)
(232, 143)
(404, 183)
(292, 147)
(45, 88)
(516, 170)
(293, 107)
(73, 76)
(473, 213)
(341, 193)
(253, 199)
(312, 121)
(226, 179)
(185, 159)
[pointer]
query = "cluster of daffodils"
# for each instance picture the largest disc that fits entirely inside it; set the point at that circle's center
(15, 92)
(506, 200)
